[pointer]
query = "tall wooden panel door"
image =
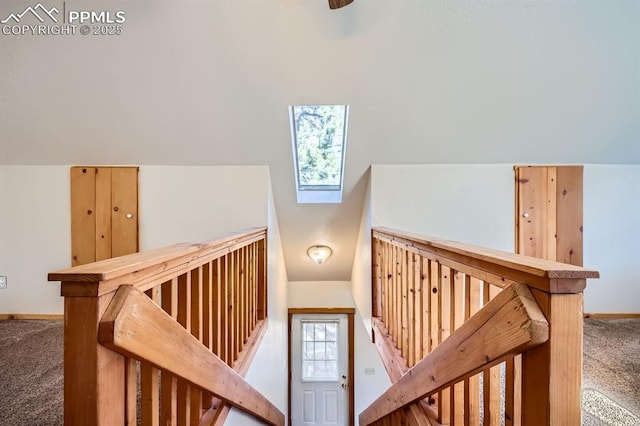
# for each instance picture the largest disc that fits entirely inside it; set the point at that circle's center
(549, 212)
(104, 213)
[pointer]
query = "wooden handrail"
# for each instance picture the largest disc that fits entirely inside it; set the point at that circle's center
(148, 267)
(495, 266)
(508, 325)
(424, 289)
(214, 291)
(136, 327)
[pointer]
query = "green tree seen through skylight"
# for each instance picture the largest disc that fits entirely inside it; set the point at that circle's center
(319, 131)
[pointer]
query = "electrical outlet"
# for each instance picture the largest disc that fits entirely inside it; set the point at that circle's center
(368, 371)
(3, 282)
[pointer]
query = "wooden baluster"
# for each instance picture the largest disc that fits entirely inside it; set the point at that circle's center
(446, 316)
(236, 306)
(207, 319)
(398, 298)
(255, 284)
(416, 322)
(169, 384)
(457, 298)
(224, 309)
(388, 281)
(241, 304)
(218, 313)
(425, 279)
(496, 381)
(243, 297)
(376, 271)
(250, 289)
(231, 309)
(473, 303)
(393, 320)
(491, 377)
(240, 301)
(435, 303)
(391, 280)
(386, 302)
(131, 391)
(184, 318)
(207, 303)
(216, 309)
(418, 310)
(149, 382)
(256, 260)
(248, 293)
(513, 388)
(404, 305)
(393, 292)
(262, 280)
(382, 303)
(196, 330)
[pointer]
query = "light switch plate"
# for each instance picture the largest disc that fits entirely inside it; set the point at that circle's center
(3, 282)
(368, 371)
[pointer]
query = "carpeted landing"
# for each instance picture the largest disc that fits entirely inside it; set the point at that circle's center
(31, 373)
(611, 378)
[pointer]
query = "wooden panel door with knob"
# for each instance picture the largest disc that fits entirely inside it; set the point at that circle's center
(549, 212)
(319, 370)
(104, 213)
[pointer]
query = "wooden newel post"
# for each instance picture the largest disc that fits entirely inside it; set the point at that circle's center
(552, 372)
(94, 376)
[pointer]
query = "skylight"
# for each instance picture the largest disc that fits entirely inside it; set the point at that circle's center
(319, 134)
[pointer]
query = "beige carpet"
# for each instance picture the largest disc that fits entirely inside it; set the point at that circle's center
(31, 373)
(611, 380)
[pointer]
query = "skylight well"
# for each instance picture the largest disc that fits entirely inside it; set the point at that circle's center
(319, 135)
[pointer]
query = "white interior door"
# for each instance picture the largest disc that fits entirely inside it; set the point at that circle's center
(319, 369)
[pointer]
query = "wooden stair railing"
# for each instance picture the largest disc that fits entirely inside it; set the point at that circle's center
(508, 325)
(138, 328)
(426, 289)
(216, 291)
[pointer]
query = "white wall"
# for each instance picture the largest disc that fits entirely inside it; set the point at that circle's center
(35, 236)
(475, 204)
(611, 238)
(451, 81)
(337, 294)
(199, 203)
(177, 204)
(467, 203)
(361, 272)
(268, 372)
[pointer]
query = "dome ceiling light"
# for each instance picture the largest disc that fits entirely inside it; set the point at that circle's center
(319, 253)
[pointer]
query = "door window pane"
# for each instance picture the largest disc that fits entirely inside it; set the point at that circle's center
(320, 351)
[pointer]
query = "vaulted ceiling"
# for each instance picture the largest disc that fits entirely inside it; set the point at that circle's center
(208, 83)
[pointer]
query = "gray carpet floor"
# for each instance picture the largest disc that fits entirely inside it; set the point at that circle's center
(611, 378)
(31, 373)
